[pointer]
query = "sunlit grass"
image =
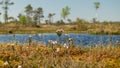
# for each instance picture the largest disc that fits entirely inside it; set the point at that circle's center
(78, 27)
(40, 56)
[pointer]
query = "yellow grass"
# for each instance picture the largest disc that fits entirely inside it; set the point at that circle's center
(41, 56)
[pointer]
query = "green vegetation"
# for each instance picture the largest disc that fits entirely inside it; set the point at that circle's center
(97, 4)
(65, 12)
(30, 22)
(22, 19)
(50, 17)
(6, 4)
(78, 26)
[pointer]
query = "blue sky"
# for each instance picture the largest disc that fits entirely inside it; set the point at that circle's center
(109, 9)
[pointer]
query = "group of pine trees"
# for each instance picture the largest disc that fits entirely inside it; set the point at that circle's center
(34, 16)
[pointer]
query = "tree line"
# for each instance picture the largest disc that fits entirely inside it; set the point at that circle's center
(35, 15)
(32, 16)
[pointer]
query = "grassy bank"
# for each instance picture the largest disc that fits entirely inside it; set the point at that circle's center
(40, 56)
(91, 28)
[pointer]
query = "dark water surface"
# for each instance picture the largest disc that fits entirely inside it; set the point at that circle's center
(79, 39)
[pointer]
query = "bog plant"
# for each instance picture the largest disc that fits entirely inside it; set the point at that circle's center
(39, 56)
(59, 32)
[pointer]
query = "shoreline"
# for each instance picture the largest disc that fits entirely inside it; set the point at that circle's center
(53, 31)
